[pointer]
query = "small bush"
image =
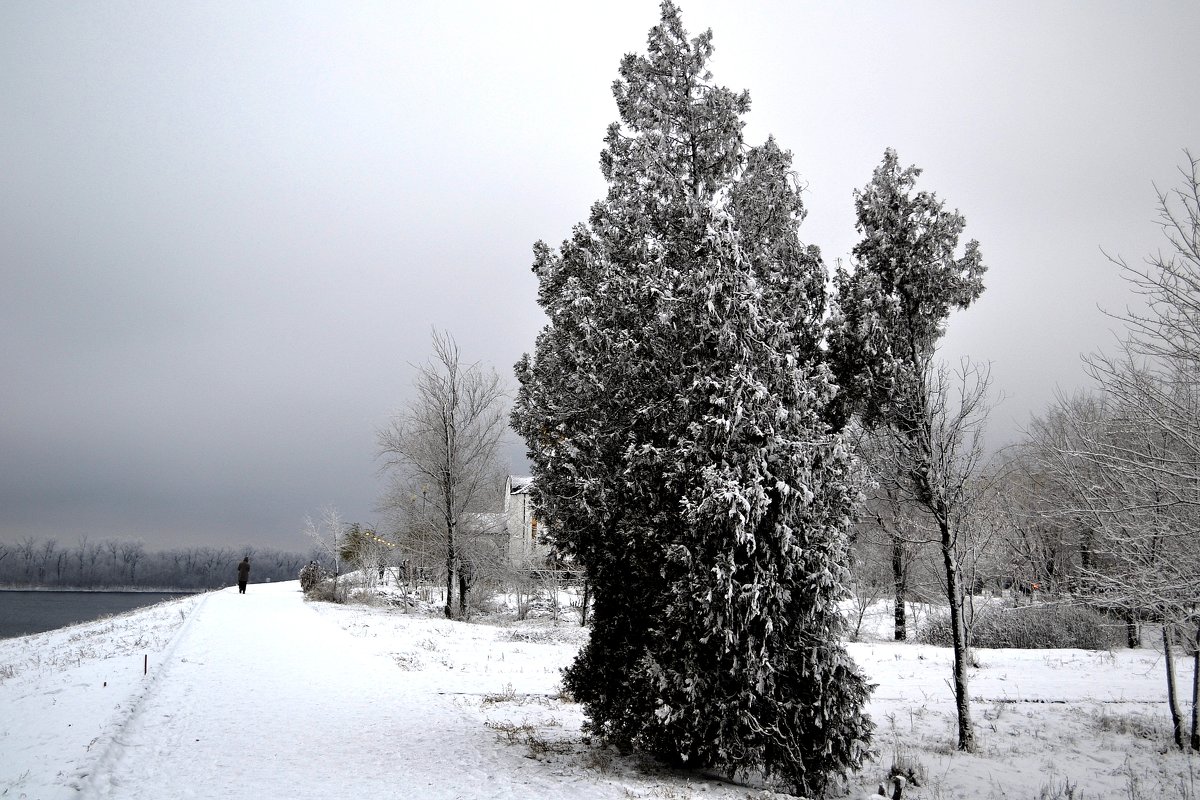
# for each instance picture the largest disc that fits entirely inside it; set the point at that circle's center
(311, 576)
(1030, 628)
(598, 758)
(326, 592)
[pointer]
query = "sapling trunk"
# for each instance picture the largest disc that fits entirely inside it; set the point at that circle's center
(962, 700)
(449, 610)
(1133, 636)
(1196, 692)
(464, 588)
(900, 581)
(1172, 690)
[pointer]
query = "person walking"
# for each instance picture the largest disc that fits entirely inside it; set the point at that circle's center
(243, 574)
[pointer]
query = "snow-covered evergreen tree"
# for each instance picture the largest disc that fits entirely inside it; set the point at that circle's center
(889, 314)
(675, 412)
(891, 310)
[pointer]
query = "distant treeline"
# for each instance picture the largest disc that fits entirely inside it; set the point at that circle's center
(111, 563)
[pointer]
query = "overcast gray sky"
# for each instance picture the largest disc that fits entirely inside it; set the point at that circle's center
(227, 228)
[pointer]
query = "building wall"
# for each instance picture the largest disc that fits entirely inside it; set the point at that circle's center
(522, 524)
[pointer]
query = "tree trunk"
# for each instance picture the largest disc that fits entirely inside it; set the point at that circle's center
(448, 478)
(450, 572)
(900, 582)
(583, 603)
(1196, 692)
(962, 701)
(1172, 691)
(464, 587)
(1133, 634)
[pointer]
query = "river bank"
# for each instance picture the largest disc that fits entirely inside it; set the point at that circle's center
(28, 611)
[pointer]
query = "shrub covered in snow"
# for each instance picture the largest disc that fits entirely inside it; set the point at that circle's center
(328, 591)
(1045, 626)
(310, 576)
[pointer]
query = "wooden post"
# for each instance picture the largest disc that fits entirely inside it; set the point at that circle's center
(146, 664)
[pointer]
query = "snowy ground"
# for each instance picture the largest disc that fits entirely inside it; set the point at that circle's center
(268, 696)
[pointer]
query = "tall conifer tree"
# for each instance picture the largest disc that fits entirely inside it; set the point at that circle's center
(889, 315)
(674, 410)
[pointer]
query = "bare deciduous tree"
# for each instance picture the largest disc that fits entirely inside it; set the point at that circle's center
(85, 565)
(935, 444)
(891, 531)
(445, 448)
(132, 554)
(1130, 460)
(327, 534)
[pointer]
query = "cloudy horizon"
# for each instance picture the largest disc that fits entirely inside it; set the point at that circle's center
(229, 229)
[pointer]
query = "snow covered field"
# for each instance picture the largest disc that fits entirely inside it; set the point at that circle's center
(266, 696)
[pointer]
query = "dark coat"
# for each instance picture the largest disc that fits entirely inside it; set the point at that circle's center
(244, 570)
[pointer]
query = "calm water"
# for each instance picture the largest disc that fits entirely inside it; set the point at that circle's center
(25, 612)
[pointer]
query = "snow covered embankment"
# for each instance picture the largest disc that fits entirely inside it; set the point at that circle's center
(67, 693)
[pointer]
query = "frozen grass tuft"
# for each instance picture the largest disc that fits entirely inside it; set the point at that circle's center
(511, 732)
(1063, 789)
(1131, 724)
(506, 695)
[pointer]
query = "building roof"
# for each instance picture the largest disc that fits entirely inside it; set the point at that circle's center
(519, 484)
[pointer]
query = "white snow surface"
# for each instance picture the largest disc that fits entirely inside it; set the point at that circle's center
(266, 695)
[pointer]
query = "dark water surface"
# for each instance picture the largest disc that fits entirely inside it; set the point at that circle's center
(23, 612)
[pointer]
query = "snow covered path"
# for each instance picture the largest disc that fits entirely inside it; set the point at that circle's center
(264, 697)
(267, 696)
